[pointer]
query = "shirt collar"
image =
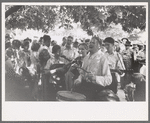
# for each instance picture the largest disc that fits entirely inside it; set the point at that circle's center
(67, 48)
(111, 53)
(93, 55)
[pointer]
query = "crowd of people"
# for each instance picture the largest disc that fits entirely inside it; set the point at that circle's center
(104, 64)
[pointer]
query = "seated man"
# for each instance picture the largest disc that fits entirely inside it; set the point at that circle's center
(98, 74)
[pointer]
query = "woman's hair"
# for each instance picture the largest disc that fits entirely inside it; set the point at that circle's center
(42, 58)
(55, 48)
(35, 47)
(84, 44)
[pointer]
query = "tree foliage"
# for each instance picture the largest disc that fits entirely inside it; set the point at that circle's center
(46, 17)
(33, 17)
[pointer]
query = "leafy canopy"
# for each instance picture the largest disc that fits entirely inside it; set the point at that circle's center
(45, 17)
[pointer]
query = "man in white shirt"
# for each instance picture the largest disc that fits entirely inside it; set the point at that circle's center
(69, 51)
(99, 76)
(115, 62)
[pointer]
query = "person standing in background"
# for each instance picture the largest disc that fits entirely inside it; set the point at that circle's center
(64, 40)
(44, 60)
(9, 66)
(142, 53)
(128, 59)
(140, 57)
(103, 49)
(135, 49)
(46, 44)
(75, 44)
(115, 63)
(117, 47)
(53, 43)
(75, 47)
(34, 55)
(41, 40)
(87, 41)
(68, 51)
(16, 49)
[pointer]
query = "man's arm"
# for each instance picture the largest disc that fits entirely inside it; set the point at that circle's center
(105, 78)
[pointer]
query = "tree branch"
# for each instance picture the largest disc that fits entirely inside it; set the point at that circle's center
(12, 10)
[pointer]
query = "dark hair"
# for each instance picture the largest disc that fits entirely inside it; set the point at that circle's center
(70, 37)
(76, 42)
(9, 52)
(109, 40)
(42, 59)
(16, 44)
(35, 46)
(84, 44)
(27, 39)
(40, 40)
(64, 38)
(55, 48)
(24, 44)
(140, 46)
(98, 39)
(7, 45)
(46, 37)
(87, 40)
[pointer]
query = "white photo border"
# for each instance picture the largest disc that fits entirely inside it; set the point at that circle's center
(72, 111)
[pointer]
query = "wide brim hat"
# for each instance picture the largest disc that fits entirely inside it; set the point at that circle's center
(140, 44)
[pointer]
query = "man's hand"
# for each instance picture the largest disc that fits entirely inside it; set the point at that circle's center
(77, 82)
(119, 71)
(73, 66)
(91, 77)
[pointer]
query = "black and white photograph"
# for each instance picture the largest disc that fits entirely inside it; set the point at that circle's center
(73, 58)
